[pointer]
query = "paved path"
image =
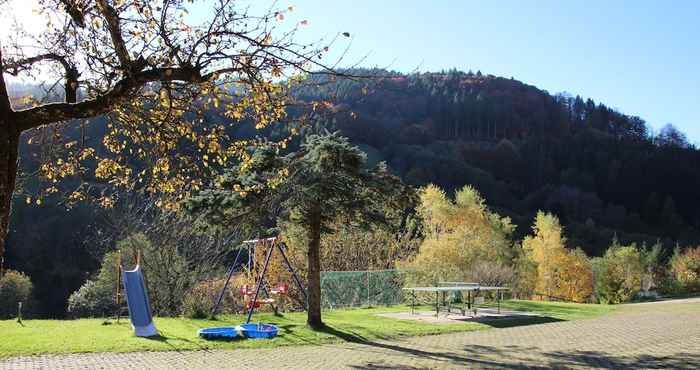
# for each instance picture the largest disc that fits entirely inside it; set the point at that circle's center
(657, 336)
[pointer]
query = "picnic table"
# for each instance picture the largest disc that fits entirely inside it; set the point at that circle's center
(472, 289)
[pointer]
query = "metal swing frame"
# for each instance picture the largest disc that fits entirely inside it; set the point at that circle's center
(251, 244)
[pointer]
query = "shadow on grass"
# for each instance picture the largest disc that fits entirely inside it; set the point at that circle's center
(510, 322)
(344, 335)
(350, 333)
(567, 310)
(288, 330)
(157, 338)
(171, 340)
(347, 334)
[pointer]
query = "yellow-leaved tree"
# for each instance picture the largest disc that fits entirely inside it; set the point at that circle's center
(459, 235)
(167, 85)
(561, 274)
(575, 276)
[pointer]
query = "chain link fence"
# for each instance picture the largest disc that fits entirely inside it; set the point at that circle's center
(341, 289)
(362, 288)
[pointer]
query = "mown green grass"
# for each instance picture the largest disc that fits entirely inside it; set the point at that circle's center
(559, 310)
(362, 324)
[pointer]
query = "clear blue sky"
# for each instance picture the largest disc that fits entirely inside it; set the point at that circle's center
(641, 57)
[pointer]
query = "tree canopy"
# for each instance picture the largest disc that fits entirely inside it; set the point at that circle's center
(310, 189)
(459, 235)
(168, 84)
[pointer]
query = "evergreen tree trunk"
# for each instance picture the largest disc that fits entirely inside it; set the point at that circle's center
(9, 146)
(314, 272)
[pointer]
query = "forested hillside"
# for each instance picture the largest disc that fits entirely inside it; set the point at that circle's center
(602, 172)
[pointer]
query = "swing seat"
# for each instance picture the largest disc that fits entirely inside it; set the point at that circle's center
(250, 304)
(247, 291)
(259, 302)
(281, 289)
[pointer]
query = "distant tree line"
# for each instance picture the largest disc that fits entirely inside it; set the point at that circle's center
(604, 173)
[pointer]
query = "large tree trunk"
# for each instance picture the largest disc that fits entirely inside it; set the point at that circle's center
(314, 273)
(9, 146)
(9, 143)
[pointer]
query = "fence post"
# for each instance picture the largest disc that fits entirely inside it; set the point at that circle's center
(19, 312)
(368, 304)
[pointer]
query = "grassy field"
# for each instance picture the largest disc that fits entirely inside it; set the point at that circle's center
(362, 324)
(559, 310)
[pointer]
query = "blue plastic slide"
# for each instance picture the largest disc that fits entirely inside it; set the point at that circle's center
(137, 300)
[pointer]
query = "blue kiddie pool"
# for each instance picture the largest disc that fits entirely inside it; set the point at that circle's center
(228, 332)
(259, 330)
(240, 331)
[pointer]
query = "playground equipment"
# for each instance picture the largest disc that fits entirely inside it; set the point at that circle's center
(248, 293)
(137, 299)
(251, 295)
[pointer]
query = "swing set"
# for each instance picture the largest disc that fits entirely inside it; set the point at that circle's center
(252, 299)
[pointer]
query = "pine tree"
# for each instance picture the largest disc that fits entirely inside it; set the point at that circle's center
(326, 179)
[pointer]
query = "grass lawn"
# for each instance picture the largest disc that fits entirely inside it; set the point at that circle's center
(361, 324)
(559, 310)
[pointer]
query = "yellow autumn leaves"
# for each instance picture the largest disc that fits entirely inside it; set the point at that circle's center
(459, 235)
(561, 274)
(113, 171)
(179, 143)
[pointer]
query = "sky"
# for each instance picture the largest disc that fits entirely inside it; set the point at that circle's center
(640, 57)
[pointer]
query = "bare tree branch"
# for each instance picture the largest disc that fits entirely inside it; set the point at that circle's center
(71, 72)
(57, 112)
(75, 12)
(115, 33)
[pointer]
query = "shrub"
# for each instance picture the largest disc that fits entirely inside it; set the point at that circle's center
(653, 272)
(352, 248)
(165, 271)
(525, 277)
(200, 299)
(618, 273)
(15, 287)
(91, 300)
(491, 274)
(685, 269)
(97, 297)
(669, 285)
